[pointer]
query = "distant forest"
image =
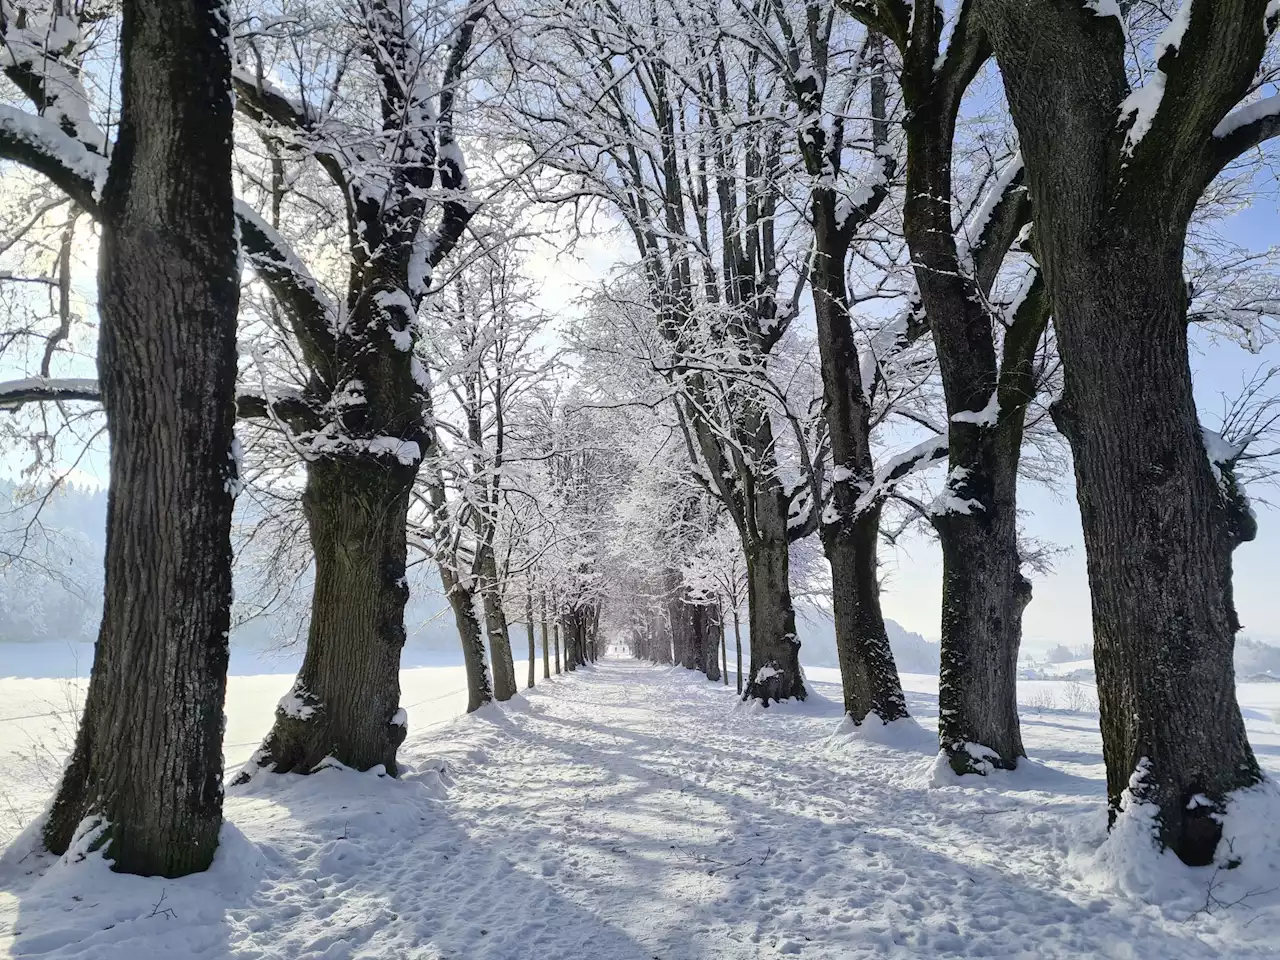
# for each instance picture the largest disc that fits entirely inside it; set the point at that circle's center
(51, 590)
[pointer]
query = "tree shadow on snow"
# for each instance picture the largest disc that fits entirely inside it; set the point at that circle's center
(341, 864)
(771, 845)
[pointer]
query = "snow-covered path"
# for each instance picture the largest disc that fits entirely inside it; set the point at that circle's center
(638, 813)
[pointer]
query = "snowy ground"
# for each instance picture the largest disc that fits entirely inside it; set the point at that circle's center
(637, 812)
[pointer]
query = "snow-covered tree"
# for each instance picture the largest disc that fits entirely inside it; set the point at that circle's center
(1118, 155)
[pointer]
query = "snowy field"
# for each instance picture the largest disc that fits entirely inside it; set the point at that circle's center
(638, 812)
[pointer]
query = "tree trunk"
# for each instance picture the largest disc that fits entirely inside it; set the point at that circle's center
(555, 629)
(546, 653)
(1158, 538)
(568, 630)
(724, 652)
(680, 618)
(709, 622)
(775, 648)
(983, 590)
(533, 653)
(983, 596)
(462, 600)
(495, 623)
(345, 702)
(737, 643)
(868, 674)
(146, 772)
(460, 595)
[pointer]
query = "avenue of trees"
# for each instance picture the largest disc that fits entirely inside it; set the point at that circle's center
(873, 268)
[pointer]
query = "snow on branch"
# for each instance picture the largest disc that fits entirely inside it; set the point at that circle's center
(15, 393)
(41, 145)
(1246, 127)
(1142, 103)
(314, 316)
(975, 233)
(920, 456)
(260, 100)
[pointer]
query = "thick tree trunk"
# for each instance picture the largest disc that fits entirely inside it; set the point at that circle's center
(463, 603)
(146, 772)
(680, 619)
(1111, 216)
(984, 593)
(775, 648)
(983, 596)
(1158, 538)
(709, 635)
(569, 631)
(555, 629)
(495, 623)
(737, 643)
(868, 674)
(345, 702)
(546, 652)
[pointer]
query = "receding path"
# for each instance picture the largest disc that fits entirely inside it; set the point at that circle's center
(639, 812)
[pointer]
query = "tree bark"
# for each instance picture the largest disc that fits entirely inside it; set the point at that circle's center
(146, 771)
(345, 702)
(983, 596)
(737, 643)
(546, 652)
(528, 619)
(555, 629)
(775, 648)
(1158, 540)
(463, 602)
(709, 639)
(495, 623)
(868, 673)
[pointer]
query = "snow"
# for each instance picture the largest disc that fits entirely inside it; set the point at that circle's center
(51, 385)
(1220, 451)
(971, 236)
(403, 339)
(1104, 8)
(988, 416)
(628, 812)
(1171, 36)
(1143, 102)
(419, 373)
(1250, 112)
(297, 703)
(45, 135)
(406, 451)
(947, 501)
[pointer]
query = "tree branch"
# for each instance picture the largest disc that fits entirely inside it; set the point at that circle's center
(15, 393)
